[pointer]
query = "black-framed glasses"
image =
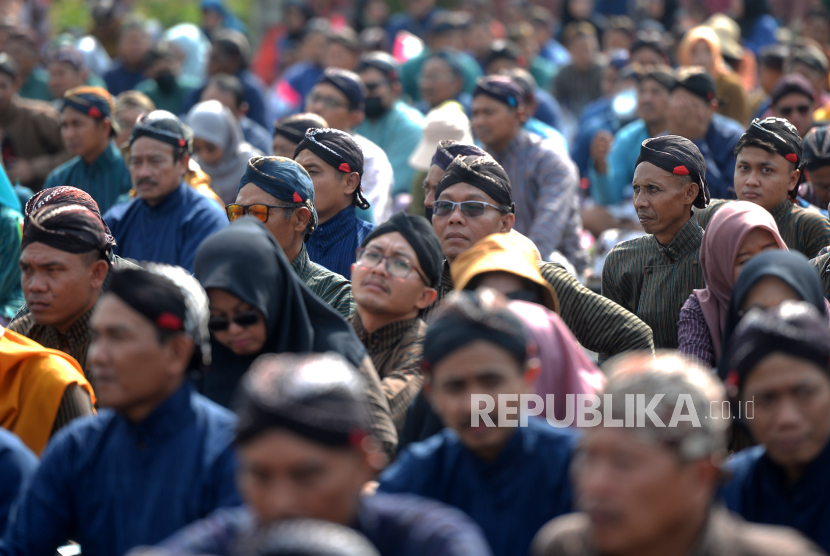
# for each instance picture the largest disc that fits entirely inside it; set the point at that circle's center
(243, 319)
(473, 209)
(258, 210)
(396, 266)
(802, 109)
(327, 102)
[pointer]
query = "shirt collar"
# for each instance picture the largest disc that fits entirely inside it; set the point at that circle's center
(385, 337)
(336, 228)
(686, 241)
(782, 209)
(171, 202)
(106, 159)
(169, 417)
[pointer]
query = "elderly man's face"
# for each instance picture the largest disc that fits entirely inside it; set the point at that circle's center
(281, 223)
(154, 169)
(662, 201)
(635, 493)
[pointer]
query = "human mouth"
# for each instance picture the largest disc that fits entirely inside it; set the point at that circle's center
(455, 236)
(375, 285)
(750, 194)
(37, 306)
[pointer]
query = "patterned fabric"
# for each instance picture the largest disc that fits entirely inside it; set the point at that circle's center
(381, 426)
(334, 242)
(822, 264)
(693, 336)
(598, 323)
(327, 285)
(654, 281)
(396, 351)
(803, 230)
(546, 192)
(74, 403)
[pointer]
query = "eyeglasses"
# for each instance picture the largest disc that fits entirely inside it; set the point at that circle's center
(473, 209)
(802, 109)
(396, 266)
(258, 210)
(327, 102)
(244, 319)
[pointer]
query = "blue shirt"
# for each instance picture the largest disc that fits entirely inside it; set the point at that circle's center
(397, 132)
(334, 242)
(510, 498)
(120, 79)
(112, 485)
(548, 110)
(543, 130)
(759, 492)
(718, 149)
(256, 135)
(105, 179)
(17, 467)
(169, 232)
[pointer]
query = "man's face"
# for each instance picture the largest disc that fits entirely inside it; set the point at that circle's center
(646, 57)
(126, 118)
(458, 232)
(7, 91)
(820, 180)
(377, 86)
(283, 147)
(314, 48)
(154, 172)
(21, 51)
(430, 183)
(583, 50)
(437, 82)
(327, 101)
(281, 228)
(63, 77)
(377, 292)
(476, 368)
(133, 47)
(494, 123)
(59, 286)
(662, 204)
(797, 109)
(220, 61)
(132, 371)
(763, 178)
(338, 56)
(636, 494)
(332, 193)
(81, 134)
(652, 102)
(792, 410)
(282, 475)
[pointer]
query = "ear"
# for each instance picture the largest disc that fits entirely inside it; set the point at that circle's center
(185, 162)
(179, 351)
(507, 221)
(352, 182)
(300, 218)
(794, 175)
(426, 298)
(356, 118)
(100, 268)
(692, 193)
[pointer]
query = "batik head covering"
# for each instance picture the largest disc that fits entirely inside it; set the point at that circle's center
(817, 148)
(679, 156)
(163, 126)
(500, 88)
(67, 227)
(66, 194)
(784, 138)
(340, 151)
(449, 149)
(94, 102)
(482, 172)
(283, 179)
(293, 128)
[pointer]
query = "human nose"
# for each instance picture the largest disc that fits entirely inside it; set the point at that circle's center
(456, 216)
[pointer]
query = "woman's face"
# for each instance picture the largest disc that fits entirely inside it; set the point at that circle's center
(246, 339)
(769, 292)
(207, 152)
(756, 241)
(702, 56)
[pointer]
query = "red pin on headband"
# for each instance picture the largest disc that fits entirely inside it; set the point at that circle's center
(169, 321)
(680, 171)
(94, 112)
(792, 157)
(344, 168)
(297, 198)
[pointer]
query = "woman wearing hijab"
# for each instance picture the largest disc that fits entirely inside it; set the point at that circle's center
(735, 234)
(701, 47)
(193, 47)
(258, 305)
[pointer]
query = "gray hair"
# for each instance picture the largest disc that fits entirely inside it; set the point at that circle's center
(688, 391)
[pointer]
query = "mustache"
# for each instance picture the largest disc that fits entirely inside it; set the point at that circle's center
(146, 181)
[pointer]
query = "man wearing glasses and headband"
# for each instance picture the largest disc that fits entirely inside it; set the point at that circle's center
(168, 219)
(768, 171)
(280, 193)
(793, 98)
(396, 276)
(335, 163)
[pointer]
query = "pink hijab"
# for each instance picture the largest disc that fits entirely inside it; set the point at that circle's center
(566, 368)
(723, 238)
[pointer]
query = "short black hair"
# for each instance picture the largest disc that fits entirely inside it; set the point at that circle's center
(773, 57)
(228, 84)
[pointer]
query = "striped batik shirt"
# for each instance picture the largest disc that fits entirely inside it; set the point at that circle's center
(599, 324)
(654, 281)
(334, 242)
(803, 230)
(396, 351)
(822, 264)
(545, 185)
(327, 285)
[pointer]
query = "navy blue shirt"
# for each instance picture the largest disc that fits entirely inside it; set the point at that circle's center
(106, 179)
(256, 135)
(254, 96)
(510, 498)
(333, 243)
(759, 492)
(120, 79)
(17, 466)
(169, 232)
(718, 149)
(112, 485)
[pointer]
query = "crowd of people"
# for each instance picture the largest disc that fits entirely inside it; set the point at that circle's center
(350, 288)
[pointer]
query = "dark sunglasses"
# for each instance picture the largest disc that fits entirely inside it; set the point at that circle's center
(472, 209)
(244, 319)
(259, 211)
(802, 109)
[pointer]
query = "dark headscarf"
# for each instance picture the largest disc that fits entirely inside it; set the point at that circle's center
(448, 149)
(482, 172)
(165, 127)
(679, 156)
(64, 194)
(817, 148)
(294, 128)
(94, 102)
(67, 227)
(245, 260)
(339, 150)
(420, 235)
(792, 268)
(500, 88)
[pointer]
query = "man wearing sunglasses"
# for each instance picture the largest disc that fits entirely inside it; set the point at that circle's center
(280, 193)
(793, 98)
(396, 276)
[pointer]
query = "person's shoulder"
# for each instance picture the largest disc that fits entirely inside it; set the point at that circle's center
(81, 436)
(13, 452)
(632, 130)
(37, 107)
(743, 463)
(741, 538)
(364, 227)
(432, 448)
(727, 127)
(560, 440)
(409, 114)
(629, 247)
(813, 217)
(61, 171)
(692, 304)
(148, 86)
(567, 535)
(119, 211)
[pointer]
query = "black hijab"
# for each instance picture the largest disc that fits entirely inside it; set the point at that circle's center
(792, 268)
(245, 260)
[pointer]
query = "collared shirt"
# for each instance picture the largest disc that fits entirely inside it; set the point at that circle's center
(119, 79)
(546, 192)
(510, 498)
(718, 149)
(105, 179)
(112, 485)
(654, 281)
(17, 467)
(760, 492)
(803, 230)
(396, 351)
(334, 242)
(598, 323)
(822, 264)
(169, 232)
(327, 285)
(397, 525)
(693, 336)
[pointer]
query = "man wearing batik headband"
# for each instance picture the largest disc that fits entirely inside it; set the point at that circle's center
(88, 128)
(168, 219)
(652, 276)
(768, 172)
(160, 456)
(545, 181)
(280, 193)
(335, 163)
